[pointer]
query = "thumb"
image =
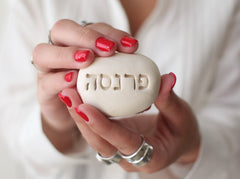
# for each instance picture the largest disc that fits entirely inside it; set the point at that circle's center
(167, 102)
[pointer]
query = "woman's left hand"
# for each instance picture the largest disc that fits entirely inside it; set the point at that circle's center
(173, 133)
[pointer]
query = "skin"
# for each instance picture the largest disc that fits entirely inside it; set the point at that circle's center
(142, 8)
(173, 133)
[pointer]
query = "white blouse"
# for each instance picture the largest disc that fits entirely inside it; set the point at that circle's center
(197, 40)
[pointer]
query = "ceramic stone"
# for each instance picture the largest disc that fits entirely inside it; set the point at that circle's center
(120, 85)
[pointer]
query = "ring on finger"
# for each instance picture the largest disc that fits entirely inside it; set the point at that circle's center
(38, 71)
(142, 156)
(85, 23)
(49, 38)
(116, 158)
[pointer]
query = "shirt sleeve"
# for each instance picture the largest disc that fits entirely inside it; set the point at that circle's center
(219, 119)
(20, 112)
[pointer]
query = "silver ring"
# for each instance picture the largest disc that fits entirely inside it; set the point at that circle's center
(85, 23)
(49, 38)
(32, 61)
(116, 158)
(142, 156)
(145, 158)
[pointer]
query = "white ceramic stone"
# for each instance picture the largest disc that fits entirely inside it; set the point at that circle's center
(120, 85)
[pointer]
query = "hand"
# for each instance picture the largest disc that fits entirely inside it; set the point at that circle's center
(75, 47)
(173, 132)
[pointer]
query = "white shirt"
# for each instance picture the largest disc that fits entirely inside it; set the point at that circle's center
(197, 40)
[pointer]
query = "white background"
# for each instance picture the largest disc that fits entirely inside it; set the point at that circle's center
(3, 14)
(9, 169)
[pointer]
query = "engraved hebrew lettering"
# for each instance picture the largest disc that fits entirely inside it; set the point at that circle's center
(143, 81)
(131, 76)
(107, 80)
(118, 77)
(93, 81)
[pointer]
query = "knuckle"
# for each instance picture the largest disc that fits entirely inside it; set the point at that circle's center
(59, 24)
(84, 33)
(108, 29)
(111, 32)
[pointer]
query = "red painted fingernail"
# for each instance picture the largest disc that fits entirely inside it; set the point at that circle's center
(104, 44)
(81, 55)
(148, 108)
(68, 77)
(174, 79)
(145, 109)
(81, 114)
(128, 41)
(65, 99)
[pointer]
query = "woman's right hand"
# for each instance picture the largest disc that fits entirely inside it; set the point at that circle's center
(75, 47)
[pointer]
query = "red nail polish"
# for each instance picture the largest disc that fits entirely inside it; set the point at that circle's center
(81, 55)
(128, 41)
(174, 79)
(81, 114)
(68, 77)
(104, 44)
(148, 108)
(145, 109)
(65, 99)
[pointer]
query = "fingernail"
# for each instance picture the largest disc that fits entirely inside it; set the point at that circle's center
(104, 44)
(145, 109)
(68, 77)
(148, 108)
(128, 41)
(174, 79)
(81, 55)
(65, 99)
(81, 114)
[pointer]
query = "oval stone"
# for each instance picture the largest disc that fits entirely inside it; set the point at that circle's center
(120, 85)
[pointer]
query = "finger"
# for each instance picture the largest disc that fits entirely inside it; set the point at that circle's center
(69, 33)
(166, 97)
(48, 57)
(169, 104)
(179, 120)
(126, 141)
(167, 101)
(50, 84)
(70, 95)
(105, 147)
(99, 144)
(125, 42)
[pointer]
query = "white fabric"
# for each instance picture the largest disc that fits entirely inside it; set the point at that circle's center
(197, 40)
